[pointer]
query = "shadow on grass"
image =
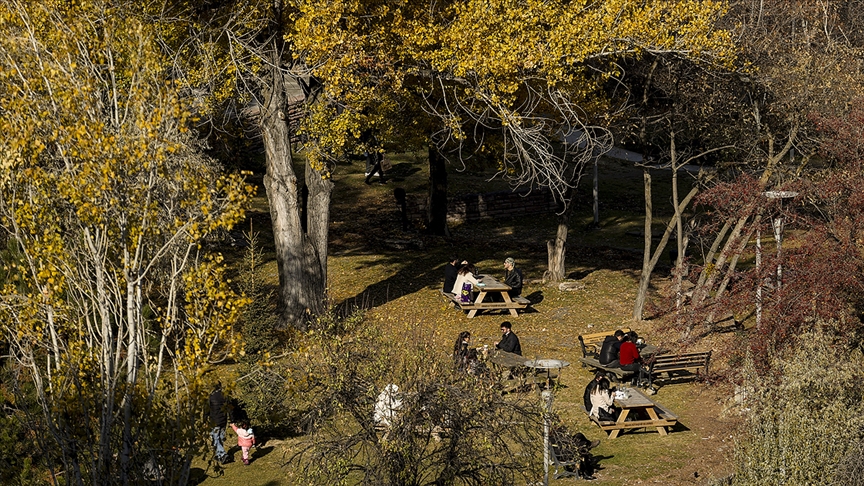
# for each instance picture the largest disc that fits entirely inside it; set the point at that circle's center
(365, 221)
(196, 476)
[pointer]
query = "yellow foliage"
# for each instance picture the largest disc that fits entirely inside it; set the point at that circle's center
(107, 194)
(508, 64)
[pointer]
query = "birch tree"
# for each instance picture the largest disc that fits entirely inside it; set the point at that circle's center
(110, 308)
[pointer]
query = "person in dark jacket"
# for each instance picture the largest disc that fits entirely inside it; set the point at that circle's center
(610, 349)
(451, 270)
(219, 418)
(512, 277)
(586, 397)
(509, 341)
(460, 350)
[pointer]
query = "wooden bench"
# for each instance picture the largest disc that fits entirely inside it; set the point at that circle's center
(613, 428)
(473, 307)
(591, 343)
(618, 373)
(695, 363)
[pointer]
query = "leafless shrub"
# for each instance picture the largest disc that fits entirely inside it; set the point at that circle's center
(806, 421)
(451, 427)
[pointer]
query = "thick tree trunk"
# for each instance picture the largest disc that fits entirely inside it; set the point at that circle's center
(556, 249)
(301, 256)
(437, 212)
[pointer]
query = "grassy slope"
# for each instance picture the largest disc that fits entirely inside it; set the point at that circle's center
(402, 286)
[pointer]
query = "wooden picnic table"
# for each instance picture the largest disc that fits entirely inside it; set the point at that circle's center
(636, 401)
(489, 285)
(505, 359)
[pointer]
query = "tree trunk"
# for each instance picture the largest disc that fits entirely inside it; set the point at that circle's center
(649, 261)
(645, 278)
(437, 212)
(301, 256)
(595, 192)
(556, 249)
(679, 227)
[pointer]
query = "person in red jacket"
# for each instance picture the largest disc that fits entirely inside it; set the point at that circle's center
(628, 355)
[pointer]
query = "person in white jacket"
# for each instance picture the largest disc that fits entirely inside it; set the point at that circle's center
(602, 405)
(466, 275)
(388, 404)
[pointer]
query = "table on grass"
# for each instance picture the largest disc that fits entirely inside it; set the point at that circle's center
(489, 285)
(548, 368)
(636, 403)
(509, 367)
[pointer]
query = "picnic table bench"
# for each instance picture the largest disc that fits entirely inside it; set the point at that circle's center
(658, 416)
(488, 285)
(591, 343)
(672, 363)
(618, 373)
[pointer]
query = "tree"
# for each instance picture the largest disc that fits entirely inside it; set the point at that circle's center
(525, 73)
(238, 58)
(110, 308)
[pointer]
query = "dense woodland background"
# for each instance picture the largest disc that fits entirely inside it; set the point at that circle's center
(183, 201)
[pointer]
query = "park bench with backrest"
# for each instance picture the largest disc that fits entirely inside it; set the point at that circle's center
(591, 343)
(672, 364)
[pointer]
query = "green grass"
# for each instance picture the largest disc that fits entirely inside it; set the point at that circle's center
(401, 285)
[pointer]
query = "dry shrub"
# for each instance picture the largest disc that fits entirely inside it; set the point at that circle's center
(452, 428)
(806, 419)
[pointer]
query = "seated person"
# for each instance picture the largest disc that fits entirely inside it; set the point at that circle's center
(586, 396)
(602, 405)
(512, 277)
(451, 270)
(389, 402)
(460, 349)
(610, 349)
(628, 355)
(509, 341)
(465, 276)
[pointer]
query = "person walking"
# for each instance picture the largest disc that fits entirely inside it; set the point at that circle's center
(219, 419)
(245, 439)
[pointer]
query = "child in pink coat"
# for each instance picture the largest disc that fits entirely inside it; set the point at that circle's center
(245, 439)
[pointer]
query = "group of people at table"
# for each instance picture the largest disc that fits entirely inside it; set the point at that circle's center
(466, 358)
(619, 350)
(462, 277)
